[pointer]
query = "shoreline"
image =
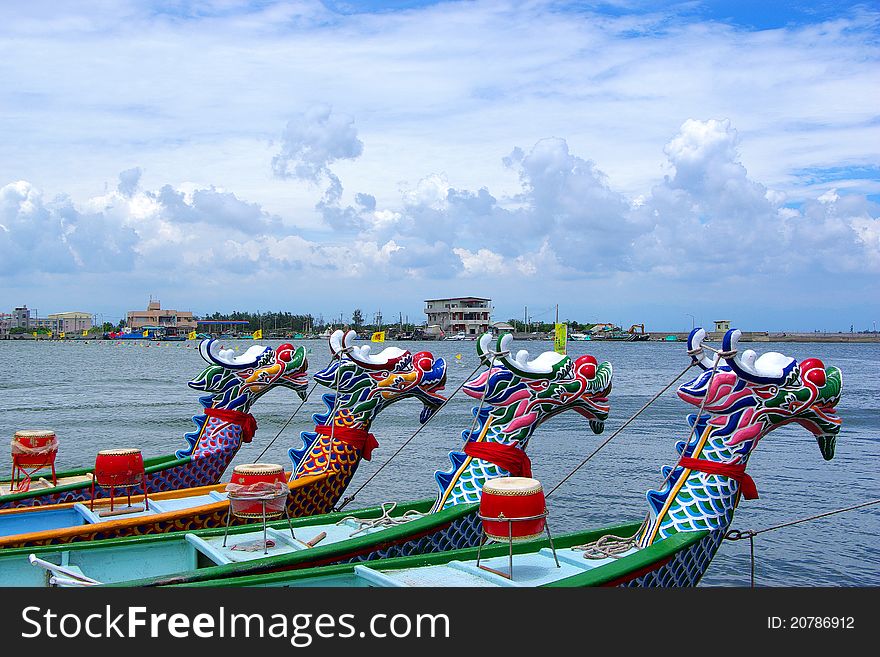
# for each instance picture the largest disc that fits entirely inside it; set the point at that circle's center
(658, 336)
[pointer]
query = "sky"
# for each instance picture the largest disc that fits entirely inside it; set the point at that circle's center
(665, 163)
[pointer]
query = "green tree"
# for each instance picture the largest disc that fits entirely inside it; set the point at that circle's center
(357, 318)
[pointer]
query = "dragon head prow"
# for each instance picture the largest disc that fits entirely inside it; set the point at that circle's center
(535, 389)
(239, 380)
(760, 393)
(388, 376)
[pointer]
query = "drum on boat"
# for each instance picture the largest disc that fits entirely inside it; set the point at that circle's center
(513, 508)
(34, 448)
(119, 468)
(254, 484)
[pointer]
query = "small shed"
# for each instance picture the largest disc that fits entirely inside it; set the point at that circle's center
(722, 325)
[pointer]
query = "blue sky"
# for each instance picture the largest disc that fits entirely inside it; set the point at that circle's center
(634, 162)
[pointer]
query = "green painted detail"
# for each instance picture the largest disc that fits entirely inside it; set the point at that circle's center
(328, 573)
(213, 574)
(152, 464)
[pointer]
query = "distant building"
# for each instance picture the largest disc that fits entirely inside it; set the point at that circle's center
(178, 321)
(503, 327)
(5, 325)
(722, 325)
(468, 315)
(69, 322)
(21, 318)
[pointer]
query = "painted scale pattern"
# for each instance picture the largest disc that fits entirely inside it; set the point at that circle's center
(516, 403)
(686, 568)
(742, 406)
(463, 484)
(213, 444)
(464, 532)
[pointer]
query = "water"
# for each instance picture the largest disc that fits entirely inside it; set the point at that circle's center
(103, 394)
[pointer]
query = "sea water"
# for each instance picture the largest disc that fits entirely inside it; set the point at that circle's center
(107, 394)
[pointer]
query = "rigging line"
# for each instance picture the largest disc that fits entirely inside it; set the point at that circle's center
(621, 428)
(302, 403)
(736, 535)
(433, 415)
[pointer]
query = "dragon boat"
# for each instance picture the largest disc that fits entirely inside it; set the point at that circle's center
(363, 386)
(232, 385)
(516, 394)
(741, 399)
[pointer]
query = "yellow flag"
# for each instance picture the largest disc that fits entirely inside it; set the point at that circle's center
(561, 338)
(378, 336)
(85, 333)
(258, 334)
(146, 334)
(191, 335)
(61, 335)
(50, 334)
(35, 334)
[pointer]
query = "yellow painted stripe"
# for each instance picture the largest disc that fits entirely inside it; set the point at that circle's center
(464, 465)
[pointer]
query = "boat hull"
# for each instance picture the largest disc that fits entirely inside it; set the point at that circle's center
(655, 565)
(171, 511)
(164, 473)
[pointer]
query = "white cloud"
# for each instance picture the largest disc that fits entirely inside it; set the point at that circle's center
(644, 147)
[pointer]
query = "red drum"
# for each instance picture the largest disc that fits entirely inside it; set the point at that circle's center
(509, 498)
(255, 483)
(119, 468)
(34, 448)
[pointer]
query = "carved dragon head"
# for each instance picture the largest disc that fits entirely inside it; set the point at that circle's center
(236, 382)
(366, 383)
(751, 395)
(524, 393)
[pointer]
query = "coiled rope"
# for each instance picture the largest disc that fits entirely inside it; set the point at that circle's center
(385, 520)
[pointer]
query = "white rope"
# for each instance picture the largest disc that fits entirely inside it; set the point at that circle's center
(385, 520)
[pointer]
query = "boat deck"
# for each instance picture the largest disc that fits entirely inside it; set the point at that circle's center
(535, 569)
(78, 514)
(248, 546)
(8, 487)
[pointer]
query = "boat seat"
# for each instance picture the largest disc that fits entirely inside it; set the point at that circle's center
(217, 495)
(212, 552)
(377, 578)
(473, 569)
(66, 576)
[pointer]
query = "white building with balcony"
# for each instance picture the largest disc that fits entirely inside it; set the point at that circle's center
(468, 315)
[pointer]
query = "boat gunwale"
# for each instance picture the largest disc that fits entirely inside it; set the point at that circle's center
(659, 551)
(151, 464)
(289, 561)
(62, 535)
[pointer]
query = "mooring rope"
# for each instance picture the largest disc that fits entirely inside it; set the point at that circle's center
(385, 520)
(621, 428)
(302, 403)
(615, 546)
(610, 545)
(351, 497)
(738, 535)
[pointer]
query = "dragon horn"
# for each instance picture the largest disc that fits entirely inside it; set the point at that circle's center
(212, 352)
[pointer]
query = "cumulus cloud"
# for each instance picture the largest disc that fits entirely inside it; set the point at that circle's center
(129, 181)
(312, 141)
(707, 220)
(52, 236)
